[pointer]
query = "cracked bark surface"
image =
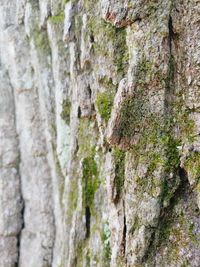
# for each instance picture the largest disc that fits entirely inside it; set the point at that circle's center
(99, 133)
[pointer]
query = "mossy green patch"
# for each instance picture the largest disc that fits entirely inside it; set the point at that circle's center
(89, 5)
(154, 160)
(192, 165)
(41, 40)
(136, 224)
(119, 158)
(158, 150)
(183, 119)
(104, 103)
(65, 114)
(187, 126)
(58, 18)
(144, 68)
(107, 83)
(88, 258)
(106, 234)
(171, 145)
(87, 136)
(136, 115)
(114, 46)
(121, 58)
(73, 194)
(90, 180)
(175, 229)
(104, 100)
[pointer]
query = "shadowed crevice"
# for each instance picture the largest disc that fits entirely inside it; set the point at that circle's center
(87, 220)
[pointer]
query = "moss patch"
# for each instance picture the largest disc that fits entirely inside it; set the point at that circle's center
(106, 234)
(73, 195)
(104, 100)
(119, 158)
(104, 103)
(58, 18)
(170, 145)
(41, 40)
(135, 114)
(114, 46)
(192, 166)
(90, 180)
(65, 114)
(130, 117)
(177, 229)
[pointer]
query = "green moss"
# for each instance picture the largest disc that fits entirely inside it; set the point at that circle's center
(155, 144)
(58, 18)
(171, 151)
(157, 149)
(154, 160)
(134, 117)
(192, 166)
(180, 227)
(89, 5)
(119, 158)
(97, 26)
(65, 114)
(104, 103)
(182, 117)
(107, 83)
(87, 134)
(78, 262)
(106, 234)
(41, 40)
(104, 100)
(175, 232)
(190, 230)
(90, 180)
(187, 127)
(136, 224)
(114, 47)
(135, 114)
(121, 51)
(130, 115)
(88, 259)
(73, 196)
(143, 68)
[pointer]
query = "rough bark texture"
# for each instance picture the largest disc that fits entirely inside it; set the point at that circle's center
(99, 133)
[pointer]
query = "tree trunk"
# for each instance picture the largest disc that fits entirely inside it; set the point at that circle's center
(99, 133)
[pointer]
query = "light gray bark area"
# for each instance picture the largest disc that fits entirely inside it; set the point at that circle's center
(99, 133)
(11, 205)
